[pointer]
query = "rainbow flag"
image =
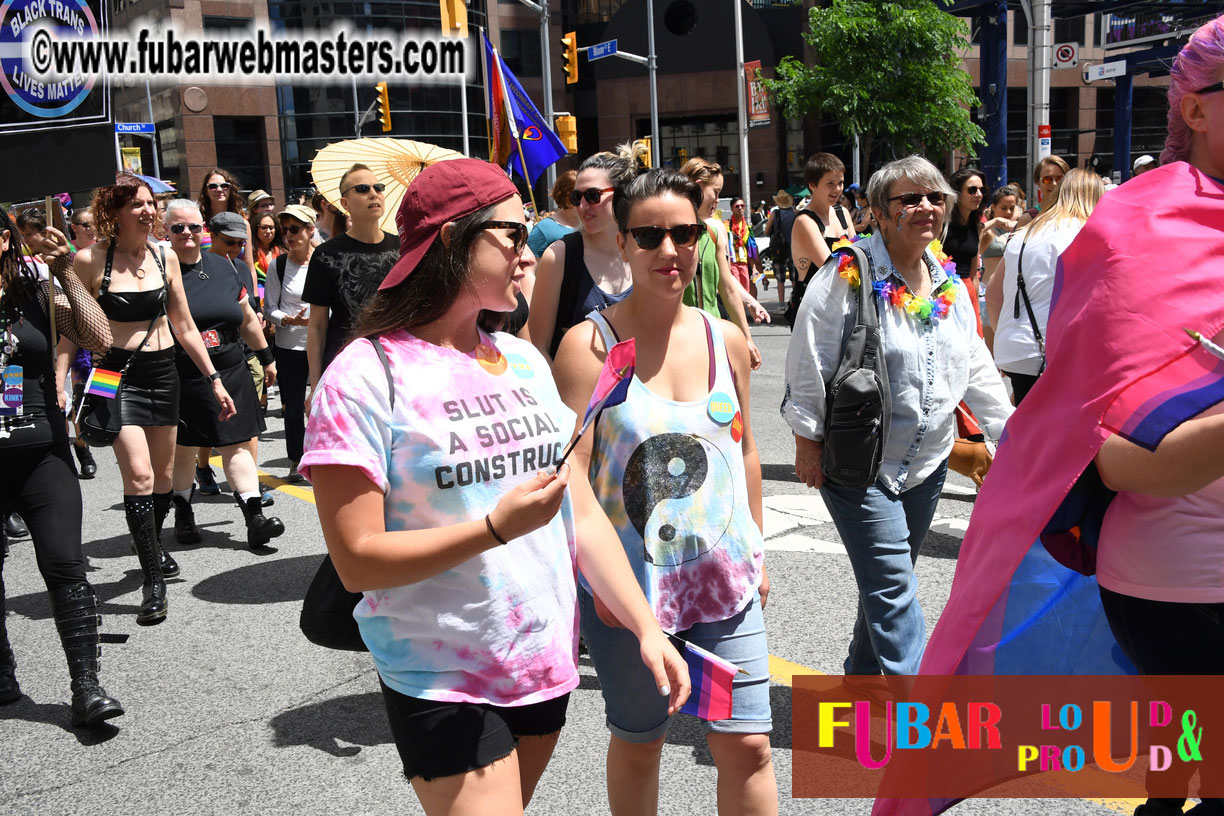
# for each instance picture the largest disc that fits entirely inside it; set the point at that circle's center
(711, 677)
(104, 383)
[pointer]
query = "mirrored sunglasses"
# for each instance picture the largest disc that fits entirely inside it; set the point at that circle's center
(179, 229)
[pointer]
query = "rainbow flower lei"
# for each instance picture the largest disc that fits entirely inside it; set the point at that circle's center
(931, 309)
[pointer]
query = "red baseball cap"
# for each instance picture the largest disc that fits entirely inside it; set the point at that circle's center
(443, 192)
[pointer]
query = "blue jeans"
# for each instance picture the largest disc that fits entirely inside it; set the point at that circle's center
(882, 534)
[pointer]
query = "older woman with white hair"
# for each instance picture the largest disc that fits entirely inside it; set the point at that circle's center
(934, 358)
(216, 293)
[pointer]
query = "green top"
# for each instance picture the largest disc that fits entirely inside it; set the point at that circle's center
(706, 282)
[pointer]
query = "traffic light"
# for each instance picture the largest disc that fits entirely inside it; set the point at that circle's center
(384, 106)
(567, 129)
(570, 43)
(647, 159)
(454, 18)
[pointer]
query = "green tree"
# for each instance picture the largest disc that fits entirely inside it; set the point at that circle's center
(885, 70)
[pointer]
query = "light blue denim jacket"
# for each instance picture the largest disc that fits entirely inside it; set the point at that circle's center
(931, 367)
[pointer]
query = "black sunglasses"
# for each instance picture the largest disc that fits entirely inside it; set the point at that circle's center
(179, 229)
(293, 229)
(591, 194)
(520, 231)
(222, 186)
(232, 242)
(974, 190)
(1210, 89)
(914, 199)
(365, 188)
(682, 235)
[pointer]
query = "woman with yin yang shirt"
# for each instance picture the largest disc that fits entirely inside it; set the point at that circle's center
(464, 548)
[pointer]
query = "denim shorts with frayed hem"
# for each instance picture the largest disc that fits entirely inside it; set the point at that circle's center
(636, 711)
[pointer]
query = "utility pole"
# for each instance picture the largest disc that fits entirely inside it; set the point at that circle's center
(740, 95)
(542, 10)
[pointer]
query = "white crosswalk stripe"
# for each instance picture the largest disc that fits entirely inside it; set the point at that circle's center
(785, 514)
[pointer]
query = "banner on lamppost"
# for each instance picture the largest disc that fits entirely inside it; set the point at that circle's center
(758, 99)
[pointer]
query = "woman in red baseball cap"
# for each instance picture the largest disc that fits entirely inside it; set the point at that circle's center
(431, 445)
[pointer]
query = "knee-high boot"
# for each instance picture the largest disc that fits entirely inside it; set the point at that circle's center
(10, 692)
(161, 506)
(76, 617)
(139, 511)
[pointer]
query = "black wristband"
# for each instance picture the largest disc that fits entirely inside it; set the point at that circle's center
(264, 356)
(492, 532)
(213, 377)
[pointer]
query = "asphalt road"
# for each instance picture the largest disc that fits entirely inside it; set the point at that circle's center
(231, 710)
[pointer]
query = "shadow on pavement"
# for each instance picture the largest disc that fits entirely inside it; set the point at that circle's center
(60, 715)
(779, 473)
(284, 579)
(357, 719)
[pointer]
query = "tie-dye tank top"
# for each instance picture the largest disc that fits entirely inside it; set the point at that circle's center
(670, 476)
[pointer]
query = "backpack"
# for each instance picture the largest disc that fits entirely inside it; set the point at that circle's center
(858, 405)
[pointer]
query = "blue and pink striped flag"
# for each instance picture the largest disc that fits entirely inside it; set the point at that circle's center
(610, 389)
(711, 678)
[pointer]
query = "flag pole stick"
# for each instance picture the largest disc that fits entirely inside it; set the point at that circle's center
(526, 178)
(484, 64)
(51, 281)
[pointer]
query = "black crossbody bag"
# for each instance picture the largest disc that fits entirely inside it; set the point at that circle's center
(1022, 293)
(327, 610)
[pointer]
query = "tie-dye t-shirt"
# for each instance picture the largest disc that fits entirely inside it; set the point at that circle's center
(500, 628)
(670, 476)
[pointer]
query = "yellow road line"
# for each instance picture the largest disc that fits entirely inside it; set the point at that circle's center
(781, 670)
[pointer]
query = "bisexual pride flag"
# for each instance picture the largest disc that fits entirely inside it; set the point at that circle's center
(611, 388)
(104, 383)
(711, 678)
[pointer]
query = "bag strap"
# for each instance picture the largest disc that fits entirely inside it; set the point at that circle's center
(1022, 292)
(386, 364)
(867, 315)
(841, 216)
(106, 273)
(282, 263)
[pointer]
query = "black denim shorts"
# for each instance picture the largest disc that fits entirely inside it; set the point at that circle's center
(444, 739)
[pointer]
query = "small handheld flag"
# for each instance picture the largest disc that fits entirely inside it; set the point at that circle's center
(711, 678)
(104, 383)
(1206, 344)
(611, 388)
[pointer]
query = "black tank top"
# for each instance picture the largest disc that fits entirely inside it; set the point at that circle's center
(841, 216)
(132, 307)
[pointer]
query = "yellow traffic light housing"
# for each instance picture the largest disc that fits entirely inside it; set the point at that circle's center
(567, 130)
(648, 158)
(454, 18)
(384, 106)
(570, 43)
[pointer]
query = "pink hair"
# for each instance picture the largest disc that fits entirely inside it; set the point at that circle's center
(1195, 67)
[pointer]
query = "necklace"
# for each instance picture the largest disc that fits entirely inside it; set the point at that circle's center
(139, 271)
(929, 309)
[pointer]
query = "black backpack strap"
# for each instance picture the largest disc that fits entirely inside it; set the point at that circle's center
(386, 364)
(282, 263)
(1022, 292)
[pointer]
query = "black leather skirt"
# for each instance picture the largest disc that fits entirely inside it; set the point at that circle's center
(149, 393)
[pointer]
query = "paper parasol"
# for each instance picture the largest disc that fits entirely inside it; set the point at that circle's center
(394, 162)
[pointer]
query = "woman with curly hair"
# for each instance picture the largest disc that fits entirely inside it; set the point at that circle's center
(36, 474)
(140, 290)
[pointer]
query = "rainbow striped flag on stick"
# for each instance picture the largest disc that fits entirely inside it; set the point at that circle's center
(711, 677)
(102, 382)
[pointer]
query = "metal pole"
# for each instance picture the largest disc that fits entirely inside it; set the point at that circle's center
(546, 58)
(356, 111)
(856, 158)
(153, 135)
(740, 96)
(463, 112)
(1123, 99)
(1042, 48)
(652, 64)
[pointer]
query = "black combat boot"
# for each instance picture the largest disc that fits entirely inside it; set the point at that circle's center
(260, 530)
(161, 506)
(76, 617)
(185, 530)
(141, 523)
(10, 692)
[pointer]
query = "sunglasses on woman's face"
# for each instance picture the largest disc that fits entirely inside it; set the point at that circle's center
(520, 231)
(973, 190)
(179, 229)
(292, 229)
(1051, 179)
(914, 199)
(682, 235)
(591, 194)
(365, 188)
(222, 186)
(233, 242)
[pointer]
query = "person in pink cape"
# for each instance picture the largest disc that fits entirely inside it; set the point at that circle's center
(433, 445)
(1129, 396)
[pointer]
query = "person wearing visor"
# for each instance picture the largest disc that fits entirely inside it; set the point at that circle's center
(432, 445)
